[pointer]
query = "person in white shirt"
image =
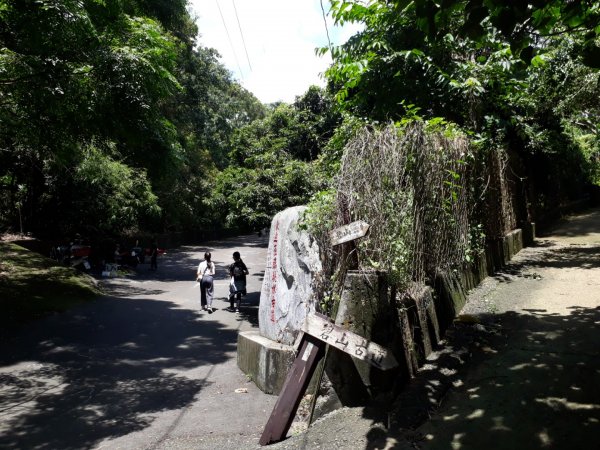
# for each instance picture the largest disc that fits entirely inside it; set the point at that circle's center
(205, 275)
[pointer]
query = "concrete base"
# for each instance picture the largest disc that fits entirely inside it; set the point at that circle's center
(267, 362)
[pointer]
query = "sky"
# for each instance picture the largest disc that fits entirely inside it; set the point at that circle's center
(274, 54)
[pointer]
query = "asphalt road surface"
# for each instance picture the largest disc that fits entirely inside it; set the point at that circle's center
(142, 367)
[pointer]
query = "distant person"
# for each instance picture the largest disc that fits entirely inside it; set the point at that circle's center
(153, 255)
(205, 276)
(117, 256)
(237, 286)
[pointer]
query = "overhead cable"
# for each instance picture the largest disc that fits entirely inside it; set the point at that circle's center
(326, 29)
(230, 42)
(241, 34)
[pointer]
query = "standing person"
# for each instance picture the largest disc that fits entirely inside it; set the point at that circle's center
(117, 254)
(237, 286)
(153, 255)
(205, 275)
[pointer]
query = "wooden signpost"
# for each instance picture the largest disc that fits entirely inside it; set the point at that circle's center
(310, 353)
(349, 232)
(317, 332)
(349, 342)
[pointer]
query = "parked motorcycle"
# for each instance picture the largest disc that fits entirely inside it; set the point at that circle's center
(73, 255)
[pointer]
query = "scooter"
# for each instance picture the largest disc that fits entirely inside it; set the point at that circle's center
(73, 255)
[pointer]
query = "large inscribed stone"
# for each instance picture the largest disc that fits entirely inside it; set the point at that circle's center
(287, 294)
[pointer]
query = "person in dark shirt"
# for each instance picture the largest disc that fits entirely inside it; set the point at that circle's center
(237, 285)
(153, 255)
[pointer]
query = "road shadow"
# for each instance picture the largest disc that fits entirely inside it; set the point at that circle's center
(539, 392)
(579, 226)
(103, 371)
(557, 257)
(249, 308)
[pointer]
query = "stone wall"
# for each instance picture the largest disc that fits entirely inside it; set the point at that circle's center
(411, 332)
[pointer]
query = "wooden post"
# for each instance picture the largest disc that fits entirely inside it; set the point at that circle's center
(348, 255)
(317, 331)
(296, 383)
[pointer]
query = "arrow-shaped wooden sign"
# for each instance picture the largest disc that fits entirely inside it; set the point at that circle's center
(349, 232)
(349, 342)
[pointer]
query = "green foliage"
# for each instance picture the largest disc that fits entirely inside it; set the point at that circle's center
(247, 199)
(514, 77)
(523, 25)
(273, 161)
(115, 196)
(328, 162)
(124, 72)
(476, 243)
(320, 215)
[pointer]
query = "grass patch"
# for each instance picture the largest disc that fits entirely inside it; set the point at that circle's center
(33, 286)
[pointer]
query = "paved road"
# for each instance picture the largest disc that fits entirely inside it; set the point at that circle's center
(142, 367)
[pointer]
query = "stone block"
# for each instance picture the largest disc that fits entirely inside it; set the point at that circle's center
(427, 323)
(512, 244)
(450, 297)
(528, 233)
(293, 263)
(265, 361)
(365, 309)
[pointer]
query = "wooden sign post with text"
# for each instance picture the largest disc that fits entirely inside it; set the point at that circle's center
(349, 342)
(349, 232)
(317, 333)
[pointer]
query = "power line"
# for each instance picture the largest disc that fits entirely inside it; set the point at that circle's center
(229, 38)
(326, 29)
(241, 34)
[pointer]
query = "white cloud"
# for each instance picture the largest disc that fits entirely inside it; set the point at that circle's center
(280, 38)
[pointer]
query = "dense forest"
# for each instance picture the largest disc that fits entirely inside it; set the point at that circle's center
(114, 120)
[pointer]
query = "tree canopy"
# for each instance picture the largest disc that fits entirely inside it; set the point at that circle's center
(114, 119)
(111, 95)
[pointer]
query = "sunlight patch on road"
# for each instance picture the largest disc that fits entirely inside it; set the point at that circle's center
(456, 444)
(499, 424)
(544, 437)
(20, 387)
(562, 403)
(477, 414)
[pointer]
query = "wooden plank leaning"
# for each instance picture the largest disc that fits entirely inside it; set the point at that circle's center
(280, 421)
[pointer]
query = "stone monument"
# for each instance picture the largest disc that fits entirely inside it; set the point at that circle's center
(287, 294)
(287, 297)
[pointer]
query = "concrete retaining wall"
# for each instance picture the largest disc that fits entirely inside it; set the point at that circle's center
(437, 306)
(423, 315)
